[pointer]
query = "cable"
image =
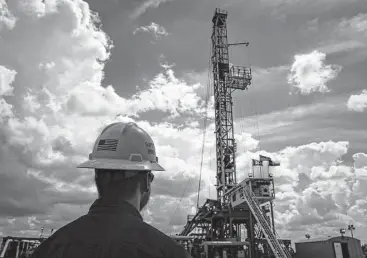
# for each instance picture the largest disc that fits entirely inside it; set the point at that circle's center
(255, 107)
(178, 204)
(257, 124)
(241, 125)
(210, 165)
(202, 152)
(204, 129)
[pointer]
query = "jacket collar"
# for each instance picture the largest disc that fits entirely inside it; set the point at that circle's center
(108, 206)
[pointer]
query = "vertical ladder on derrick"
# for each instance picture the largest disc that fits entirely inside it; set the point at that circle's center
(270, 236)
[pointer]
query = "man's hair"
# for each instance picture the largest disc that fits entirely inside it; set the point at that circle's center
(114, 182)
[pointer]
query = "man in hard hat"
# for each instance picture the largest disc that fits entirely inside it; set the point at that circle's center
(123, 158)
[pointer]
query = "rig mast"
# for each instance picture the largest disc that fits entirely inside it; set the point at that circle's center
(224, 130)
(217, 229)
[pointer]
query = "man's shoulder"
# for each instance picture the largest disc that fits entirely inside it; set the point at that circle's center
(68, 229)
(175, 249)
(159, 234)
(47, 243)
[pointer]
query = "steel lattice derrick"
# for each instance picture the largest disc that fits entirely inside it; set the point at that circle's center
(225, 143)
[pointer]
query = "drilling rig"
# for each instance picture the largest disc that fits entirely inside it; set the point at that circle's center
(240, 222)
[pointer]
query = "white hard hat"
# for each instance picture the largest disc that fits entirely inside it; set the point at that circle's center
(123, 146)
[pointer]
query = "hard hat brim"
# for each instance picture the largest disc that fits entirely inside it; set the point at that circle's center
(117, 164)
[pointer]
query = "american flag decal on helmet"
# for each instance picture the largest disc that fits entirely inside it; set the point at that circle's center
(107, 145)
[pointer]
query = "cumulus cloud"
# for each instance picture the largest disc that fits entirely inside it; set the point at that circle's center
(155, 29)
(315, 189)
(309, 74)
(360, 164)
(358, 102)
(52, 106)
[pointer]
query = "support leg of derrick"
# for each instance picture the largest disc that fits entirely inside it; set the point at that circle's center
(230, 223)
(251, 236)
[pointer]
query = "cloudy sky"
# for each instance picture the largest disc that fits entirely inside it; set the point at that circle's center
(70, 67)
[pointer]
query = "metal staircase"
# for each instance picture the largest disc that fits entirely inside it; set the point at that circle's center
(270, 235)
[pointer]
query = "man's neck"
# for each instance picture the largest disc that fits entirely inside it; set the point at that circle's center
(115, 200)
(134, 202)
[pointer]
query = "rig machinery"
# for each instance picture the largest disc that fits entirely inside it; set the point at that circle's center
(19, 247)
(239, 223)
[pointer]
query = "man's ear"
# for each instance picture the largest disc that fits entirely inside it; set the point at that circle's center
(148, 182)
(145, 184)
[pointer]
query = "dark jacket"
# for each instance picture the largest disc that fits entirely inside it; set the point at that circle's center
(108, 231)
